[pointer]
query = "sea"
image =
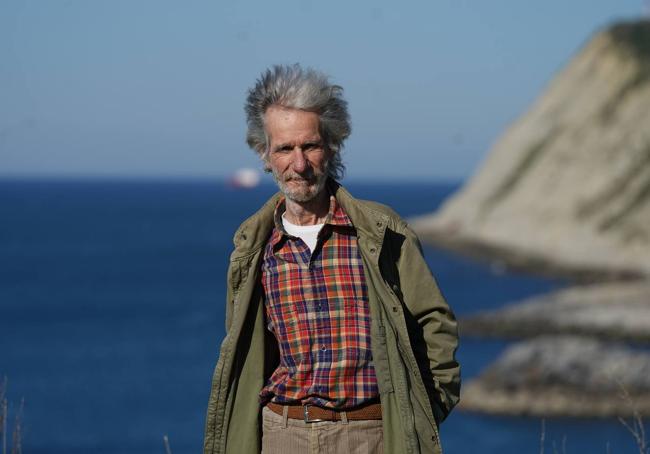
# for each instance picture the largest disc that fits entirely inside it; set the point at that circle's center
(112, 297)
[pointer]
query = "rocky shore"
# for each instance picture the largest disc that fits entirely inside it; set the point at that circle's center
(563, 376)
(586, 353)
(615, 311)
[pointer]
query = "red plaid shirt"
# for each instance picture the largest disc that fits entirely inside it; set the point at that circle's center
(316, 305)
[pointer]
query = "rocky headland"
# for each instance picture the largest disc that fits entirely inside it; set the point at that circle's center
(563, 376)
(566, 192)
(566, 189)
(617, 311)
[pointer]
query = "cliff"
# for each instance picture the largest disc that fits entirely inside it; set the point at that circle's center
(563, 376)
(566, 189)
(617, 311)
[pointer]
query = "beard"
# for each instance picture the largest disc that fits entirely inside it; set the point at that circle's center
(302, 188)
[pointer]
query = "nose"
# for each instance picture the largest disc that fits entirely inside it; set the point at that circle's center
(298, 161)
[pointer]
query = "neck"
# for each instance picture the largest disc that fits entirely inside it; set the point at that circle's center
(308, 213)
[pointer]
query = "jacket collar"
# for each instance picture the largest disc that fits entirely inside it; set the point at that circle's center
(254, 232)
(369, 222)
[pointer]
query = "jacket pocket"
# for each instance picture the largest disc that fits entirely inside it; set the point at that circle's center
(237, 275)
(426, 429)
(380, 359)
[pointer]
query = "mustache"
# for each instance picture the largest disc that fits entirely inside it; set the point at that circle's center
(299, 178)
(312, 177)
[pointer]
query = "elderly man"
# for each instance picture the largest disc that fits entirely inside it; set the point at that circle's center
(338, 338)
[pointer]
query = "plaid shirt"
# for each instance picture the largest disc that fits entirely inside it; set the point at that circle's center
(316, 305)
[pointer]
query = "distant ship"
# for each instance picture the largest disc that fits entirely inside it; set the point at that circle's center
(244, 178)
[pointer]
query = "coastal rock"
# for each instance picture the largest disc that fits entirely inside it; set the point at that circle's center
(566, 189)
(618, 311)
(563, 376)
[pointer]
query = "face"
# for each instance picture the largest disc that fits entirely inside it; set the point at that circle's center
(296, 156)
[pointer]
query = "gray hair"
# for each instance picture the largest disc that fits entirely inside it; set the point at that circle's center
(291, 86)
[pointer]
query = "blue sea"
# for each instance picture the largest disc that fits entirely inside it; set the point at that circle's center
(112, 310)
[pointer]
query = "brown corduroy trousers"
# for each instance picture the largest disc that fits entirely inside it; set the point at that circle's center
(281, 435)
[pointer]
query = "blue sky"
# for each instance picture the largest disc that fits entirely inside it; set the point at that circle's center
(155, 88)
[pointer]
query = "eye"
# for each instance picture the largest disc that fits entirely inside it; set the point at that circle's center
(310, 146)
(283, 149)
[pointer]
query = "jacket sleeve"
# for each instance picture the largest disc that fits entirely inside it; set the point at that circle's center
(433, 328)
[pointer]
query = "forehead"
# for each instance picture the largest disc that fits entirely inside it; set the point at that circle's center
(288, 125)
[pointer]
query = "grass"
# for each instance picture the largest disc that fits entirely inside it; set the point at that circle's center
(168, 449)
(16, 446)
(634, 426)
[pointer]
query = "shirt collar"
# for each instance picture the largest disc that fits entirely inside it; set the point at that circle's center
(335, 217)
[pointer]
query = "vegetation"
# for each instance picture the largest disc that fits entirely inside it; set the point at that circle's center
(634, 426)
(16, 433)
(634, 37)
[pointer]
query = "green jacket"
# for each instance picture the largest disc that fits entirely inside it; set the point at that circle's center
(413, 336)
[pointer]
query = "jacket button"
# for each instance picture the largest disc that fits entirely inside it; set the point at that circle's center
(395, 288)
(379, 224)
(373, 250)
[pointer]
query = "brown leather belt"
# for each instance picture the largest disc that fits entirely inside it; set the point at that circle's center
(312, 413)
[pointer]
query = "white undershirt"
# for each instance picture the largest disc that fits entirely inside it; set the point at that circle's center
(307, 233)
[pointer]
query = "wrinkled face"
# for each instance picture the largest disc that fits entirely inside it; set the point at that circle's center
(297, 156)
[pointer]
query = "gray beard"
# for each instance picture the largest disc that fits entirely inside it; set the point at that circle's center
(312, 190)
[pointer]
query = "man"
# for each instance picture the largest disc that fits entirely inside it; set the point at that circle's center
(338, 339)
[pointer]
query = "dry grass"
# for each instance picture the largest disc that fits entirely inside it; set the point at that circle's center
(16, 434)
(3, 415)
(168, 449)
(635, 426)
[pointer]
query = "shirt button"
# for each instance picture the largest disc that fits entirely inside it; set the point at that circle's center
(323, 348)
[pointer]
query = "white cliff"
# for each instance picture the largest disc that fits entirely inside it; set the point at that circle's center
(567, 186)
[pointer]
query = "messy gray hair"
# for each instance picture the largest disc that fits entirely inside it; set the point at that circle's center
(291, 86)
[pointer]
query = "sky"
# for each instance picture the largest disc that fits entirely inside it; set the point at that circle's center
(155, 88)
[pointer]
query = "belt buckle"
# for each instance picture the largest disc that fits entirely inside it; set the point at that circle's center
(305, 410)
